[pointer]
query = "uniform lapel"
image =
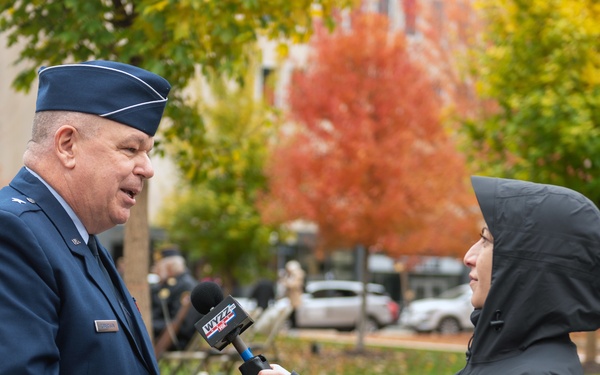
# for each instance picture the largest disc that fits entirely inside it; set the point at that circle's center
(140, 344)
(108, 289)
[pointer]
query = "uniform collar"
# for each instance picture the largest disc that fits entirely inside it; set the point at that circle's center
(78, 224)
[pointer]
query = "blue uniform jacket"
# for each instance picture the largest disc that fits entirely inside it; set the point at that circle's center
(52, 293)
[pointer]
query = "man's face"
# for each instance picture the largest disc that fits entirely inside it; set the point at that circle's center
(479, 260)
(161, 269)
(110, 169)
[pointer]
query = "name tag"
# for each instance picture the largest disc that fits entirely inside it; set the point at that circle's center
(106, 325)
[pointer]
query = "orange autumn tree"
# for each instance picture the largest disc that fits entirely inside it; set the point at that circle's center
(365, 155)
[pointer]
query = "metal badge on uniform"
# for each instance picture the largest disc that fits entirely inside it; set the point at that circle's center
(106, 325)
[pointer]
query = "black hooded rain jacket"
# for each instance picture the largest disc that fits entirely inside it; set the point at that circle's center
(545, 279)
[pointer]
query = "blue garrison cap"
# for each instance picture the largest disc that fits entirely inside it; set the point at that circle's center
(166, 251)
(115, 91)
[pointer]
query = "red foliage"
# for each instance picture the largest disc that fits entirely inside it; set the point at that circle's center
(367, 158)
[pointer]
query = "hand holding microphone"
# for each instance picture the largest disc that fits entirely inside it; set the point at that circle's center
(276, 370)
(223, 321)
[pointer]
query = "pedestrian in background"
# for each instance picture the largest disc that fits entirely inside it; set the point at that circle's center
(170, 295)
(64, 309)
(534, 275)
(292, 281)
(263, 293)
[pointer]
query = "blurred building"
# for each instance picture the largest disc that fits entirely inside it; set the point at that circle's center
(17, 114)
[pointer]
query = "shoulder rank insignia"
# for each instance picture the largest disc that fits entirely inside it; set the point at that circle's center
(18, 201)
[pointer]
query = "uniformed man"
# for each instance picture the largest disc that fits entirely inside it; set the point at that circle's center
(170, 294)
(64, 309)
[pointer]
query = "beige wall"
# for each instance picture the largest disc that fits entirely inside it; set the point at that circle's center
(16, 113)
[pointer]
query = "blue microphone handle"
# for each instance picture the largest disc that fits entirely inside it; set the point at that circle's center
(252, 364)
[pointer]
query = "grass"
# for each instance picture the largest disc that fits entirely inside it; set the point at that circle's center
(311, 357)
(319, 357)
(343, 359)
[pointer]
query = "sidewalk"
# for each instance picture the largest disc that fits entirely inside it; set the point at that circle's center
(391, 337)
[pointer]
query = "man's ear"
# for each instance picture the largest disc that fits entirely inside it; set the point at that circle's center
(65, 145)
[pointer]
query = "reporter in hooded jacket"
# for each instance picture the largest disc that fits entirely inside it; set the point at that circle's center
(535, 278)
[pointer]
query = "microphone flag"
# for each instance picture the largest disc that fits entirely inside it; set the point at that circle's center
(220, 321)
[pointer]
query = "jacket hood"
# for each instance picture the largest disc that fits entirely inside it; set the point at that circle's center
(545, 268)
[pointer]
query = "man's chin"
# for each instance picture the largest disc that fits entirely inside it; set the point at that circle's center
(122, 217)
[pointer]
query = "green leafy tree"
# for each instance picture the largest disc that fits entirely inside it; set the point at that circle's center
(539, 72)
(216, 219)
(169, 37)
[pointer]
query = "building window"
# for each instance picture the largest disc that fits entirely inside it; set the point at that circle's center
(410, 16)
(384, 7)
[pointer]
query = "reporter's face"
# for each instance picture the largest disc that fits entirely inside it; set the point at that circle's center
(479, 260)
(111, 169)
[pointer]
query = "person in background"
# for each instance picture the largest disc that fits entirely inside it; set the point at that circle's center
(263, 293)
(170, 294)
(64, 309)
(534, 276)
(292, 281)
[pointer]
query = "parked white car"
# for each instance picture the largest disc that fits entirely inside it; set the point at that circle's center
(336, 304)
(448, 313)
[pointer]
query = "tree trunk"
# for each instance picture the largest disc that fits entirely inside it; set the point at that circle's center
(136, 248)
(363, 260)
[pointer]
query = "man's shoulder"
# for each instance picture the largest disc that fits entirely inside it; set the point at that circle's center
(15, 202)
(183, 283)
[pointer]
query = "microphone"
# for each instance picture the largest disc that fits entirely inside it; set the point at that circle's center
(223, 320)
